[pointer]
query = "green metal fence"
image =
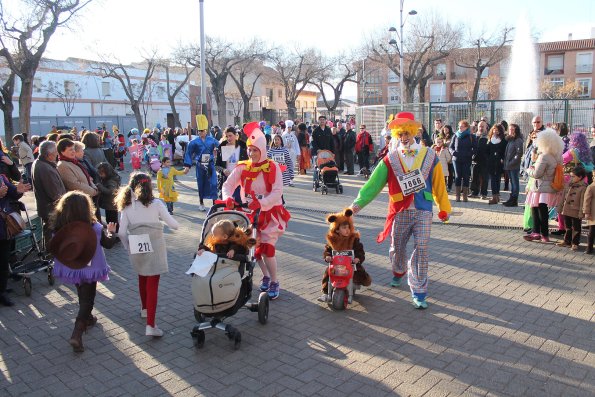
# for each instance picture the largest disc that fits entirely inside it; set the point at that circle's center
(579, 114)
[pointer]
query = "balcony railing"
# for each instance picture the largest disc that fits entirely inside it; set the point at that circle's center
(584, 68)
(440, 76)
(549, 72)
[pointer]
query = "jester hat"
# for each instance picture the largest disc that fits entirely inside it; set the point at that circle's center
(404, 122)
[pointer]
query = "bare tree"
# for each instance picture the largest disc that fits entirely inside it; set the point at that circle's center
(485, 51)
(180, 62)
(135, 91)
(6, 105)
(428, 41)
(489, 86)
(557, 93)
(147, 99)
(247, 73)
(334, 74)
(23, 41)
(67, 92)
(236, 101)
(295, 70)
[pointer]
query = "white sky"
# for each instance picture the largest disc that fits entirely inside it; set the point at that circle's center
(125, 27)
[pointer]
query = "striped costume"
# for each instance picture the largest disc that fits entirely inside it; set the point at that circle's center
(282, 157)
(408, 214)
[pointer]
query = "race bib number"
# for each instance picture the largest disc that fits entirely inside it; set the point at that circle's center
(411, 182)
(205, 158)
(279, 158)
(140, 244)
(348, 253)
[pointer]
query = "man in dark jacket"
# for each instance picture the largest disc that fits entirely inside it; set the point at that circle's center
(322, 137)
(348, 147)
(47, 184)
(340, 154)
(480, 178)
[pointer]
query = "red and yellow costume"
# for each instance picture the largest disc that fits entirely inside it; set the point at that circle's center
(264, 182)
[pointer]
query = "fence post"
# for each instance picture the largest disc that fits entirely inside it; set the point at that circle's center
(430, 116)
(493, 112)
(566, 113)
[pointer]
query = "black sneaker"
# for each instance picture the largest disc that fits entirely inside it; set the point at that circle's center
(558, 232)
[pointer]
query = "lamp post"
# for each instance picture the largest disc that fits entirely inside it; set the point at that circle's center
(394, 42)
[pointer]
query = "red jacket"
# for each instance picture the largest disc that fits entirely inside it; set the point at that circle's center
(363, 140)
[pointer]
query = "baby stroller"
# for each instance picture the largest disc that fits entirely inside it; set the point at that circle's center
(326, 173)
(227, 287)
(29, 256)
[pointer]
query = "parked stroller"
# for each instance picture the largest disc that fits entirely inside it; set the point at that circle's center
(29, 256)
(326, 173)
(227, 287)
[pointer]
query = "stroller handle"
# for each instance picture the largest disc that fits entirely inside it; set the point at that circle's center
(218, 204)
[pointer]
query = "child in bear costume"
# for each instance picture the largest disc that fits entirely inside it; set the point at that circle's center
(340, 237)
(226, 238)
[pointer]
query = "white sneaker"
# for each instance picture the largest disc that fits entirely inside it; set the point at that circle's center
(323, 298)
(153, 331)
(143, 313)
(201, 208)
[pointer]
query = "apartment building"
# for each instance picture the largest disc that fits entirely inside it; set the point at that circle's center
(559, 62)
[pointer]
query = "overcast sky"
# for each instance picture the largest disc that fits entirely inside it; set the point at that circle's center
(125, 27)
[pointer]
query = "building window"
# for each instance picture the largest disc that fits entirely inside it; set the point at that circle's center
(393, 95)
(437, 92)
(392, 77)
(270, 94)
(585, 87)
(557, 81)
(105, 89)
(68, 87)
(555, 64)
(584, 62)
(37, 86)
(280, 93)
(298, 104)
(458, 72)
(440, 72)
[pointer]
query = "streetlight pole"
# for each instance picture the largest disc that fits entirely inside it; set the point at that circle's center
(203, 78)
(393, 42)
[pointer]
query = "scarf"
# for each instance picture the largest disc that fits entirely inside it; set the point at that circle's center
(462, 134)
(165, 171)
(495, 140)
(77, 163)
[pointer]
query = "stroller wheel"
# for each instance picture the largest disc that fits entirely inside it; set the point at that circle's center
(51, 278)
(27, 286)
(237, 340)
(199, 339)
(340, 189)
(263, 307)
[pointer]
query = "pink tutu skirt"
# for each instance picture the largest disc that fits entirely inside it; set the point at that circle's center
(535, 198)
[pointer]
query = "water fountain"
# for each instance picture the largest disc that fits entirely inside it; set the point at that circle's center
(522, 78)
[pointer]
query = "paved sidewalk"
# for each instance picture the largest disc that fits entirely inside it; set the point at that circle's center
(506, 317)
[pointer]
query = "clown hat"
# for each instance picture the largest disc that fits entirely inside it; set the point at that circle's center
(404, 122)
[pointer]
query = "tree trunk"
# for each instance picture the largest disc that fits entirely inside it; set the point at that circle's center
(8, 107)
(8, 125)
(172, 105)
(138, 116)
(409, 93)
(25, 106)
(476, 86)
(247, 110)
(291, 111)
(221, 108)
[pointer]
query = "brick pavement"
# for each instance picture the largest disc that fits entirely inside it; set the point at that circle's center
(506, 317)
